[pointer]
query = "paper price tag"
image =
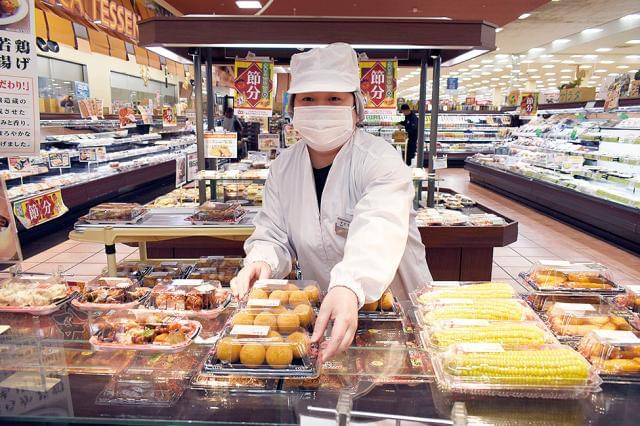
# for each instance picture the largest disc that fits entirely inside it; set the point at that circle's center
(468, 322)
(271, 283)
(250, 330)
(634, 288)
(187, 282)
(617, 337)
(264, 303)
(555, 263)
(575, 307)
(481, 347)
(445, 284)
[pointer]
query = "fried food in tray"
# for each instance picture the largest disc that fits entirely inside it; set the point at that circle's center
(233, 383)
(614, 354)
(106, 293)
(38, 296)
(212, 212)
(583, 277)
(116, 213)
(288, 292)
(386, 306)
(572, 321)
(204, 297)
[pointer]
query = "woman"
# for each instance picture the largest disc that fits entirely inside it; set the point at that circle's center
(340, 202)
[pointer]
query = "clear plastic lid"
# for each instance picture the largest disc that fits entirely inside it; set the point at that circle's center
(544, 302)
(289, 292)
(175, 365)
(222, 274)
(234, 383)
(561, 275)
(572, 320)
(631, 299)
(83, 361)
(545, 371)
(442, 334)
(33, 291)
(108, 292)
(462, 290)
(260, 351)
(173, 267)
(116, 211)
(157, 277)
(139, 389)
(383, 307)
(613, 353)
(269, 312)
(324, 382)
(218, 262)
(190, 296)
(487, 309)
(214, 211)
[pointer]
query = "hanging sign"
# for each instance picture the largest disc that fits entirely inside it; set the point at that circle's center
(19, 81)
(59, 160)
(101, 153)
(127, 117)
(9, 242)
(181, 170)
(192, 165)
(613, 96)
(19, 164)
(452, 83)
(268, 141)
(169, 118)
(512, 97)
(221, 145)
(87, 155)
(254, 84)
(38, 209)
(378, 83)
(528, 104)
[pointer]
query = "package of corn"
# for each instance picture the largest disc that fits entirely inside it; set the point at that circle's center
(462, 290)
(442, 334)
(484, 309)
(537, 371)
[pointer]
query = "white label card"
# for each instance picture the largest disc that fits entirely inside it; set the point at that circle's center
(445, 284)
(4, 328)
(271, 283)
(634, 288)
(469, 322)
(187, 282)
(250, 330)
(576, 307)
(264, 303)
(617, 337)
(481, 347)
(555, 263)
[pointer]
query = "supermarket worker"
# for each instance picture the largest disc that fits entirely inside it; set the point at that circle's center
(339, 201)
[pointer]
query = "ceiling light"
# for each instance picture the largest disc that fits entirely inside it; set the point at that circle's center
(585, 66)
(474, 66)
(549, 73)
(556, 61)
(495, 79)
(245, 4)
(606, 62)
(568, 62)
(502, 55)
(536, 76)
(631, 17)
(463, 69)
(485, 81)
(548, 66)
(536, 49)
(561, 41)
(566, 70)
(632, 56)
(524, 16)
(486, 61)
(547, 55)
(600, 70)
(612, 74)
(604, 49)
(576, 56)
(528, 61)
(497, 70)
(634, 41)
(591, 31)
(486, 73)
(622, 67)
(498, 29)
(532, 70)
(590, 56)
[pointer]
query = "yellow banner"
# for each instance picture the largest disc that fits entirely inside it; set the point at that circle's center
(38, 209)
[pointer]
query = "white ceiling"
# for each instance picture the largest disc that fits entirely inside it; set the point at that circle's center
(550, 63)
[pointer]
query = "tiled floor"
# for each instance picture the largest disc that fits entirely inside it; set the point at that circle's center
(540, 237)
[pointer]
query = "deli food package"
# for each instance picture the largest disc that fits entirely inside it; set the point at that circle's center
(615, 354)
(193, 296)
(34, 294)
(108, 293)
(461, 290)
(288, 292)
(571, 277)
(384, 307)
(573, 321)
(116, 213)
(212, 212)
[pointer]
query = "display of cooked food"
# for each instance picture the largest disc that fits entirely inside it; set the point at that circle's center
(612, 352)
(31, 294)
(218, 212)
(571, 320)
(384, 304)
(288, 292)
(575, 276)
(486, 309)
(490, 290)
(189, 298)
(151, 329)
(445, 334)
(108, 295)
(9, 7)
(115, 212)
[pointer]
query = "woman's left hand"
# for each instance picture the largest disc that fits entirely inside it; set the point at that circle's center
(341, 306)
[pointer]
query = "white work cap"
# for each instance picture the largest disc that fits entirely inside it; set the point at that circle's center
(325, 69)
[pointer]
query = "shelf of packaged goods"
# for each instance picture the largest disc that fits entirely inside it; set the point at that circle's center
(21, 175)
(607, 219)
(586, 155)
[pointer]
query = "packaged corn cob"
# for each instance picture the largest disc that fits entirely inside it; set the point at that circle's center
(478, 309)
(462, 290)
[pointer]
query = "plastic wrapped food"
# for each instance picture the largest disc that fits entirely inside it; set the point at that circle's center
(289, 292)
(463, 290)
(222, 274)
(571, 276)
(154, 278)
(385, 306)
(143, 330)
(440, 335)
(271, 312)
(33, 294)
(261, 351)
(486, 309)
(232, 383)
(571, 320)
(547, 371)
(192, 297)
(177, 269)
(631, 299)
(116, 212)
(104, 293)
(613, 353)
(130, 269)
(141, 389)
(544, 302)
(212, 212)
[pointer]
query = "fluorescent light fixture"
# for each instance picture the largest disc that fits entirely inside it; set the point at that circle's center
(464, 57)
(634, 41)
(528, 61)
(463, 69)
(495, 79)
(561, 41)
(631, 17)
(600, 70)
(585, 66)
(548, 66)
(486, 73)
(536, 77)
(566, 70)
(247, 4)
(632, 56)
(497, 70)
(568, 62)
(622, 67)
(590, 56)
(612, 74)
(499, 29)
(591, 31)
(532, 70)
(502, 55)
(576, 56)
(547, 55)
(549, 73)
(169, 54)
(604, 49)
(524, 16)
(607, 62)
(486, 61)
(536, 49)
(474, 66)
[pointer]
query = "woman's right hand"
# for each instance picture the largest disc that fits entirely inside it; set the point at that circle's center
(248, 275)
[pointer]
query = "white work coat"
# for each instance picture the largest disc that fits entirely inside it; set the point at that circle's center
(369, 183)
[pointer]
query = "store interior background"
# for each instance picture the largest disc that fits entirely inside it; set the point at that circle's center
(541, 45)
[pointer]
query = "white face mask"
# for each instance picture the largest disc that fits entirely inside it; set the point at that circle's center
(324, 127)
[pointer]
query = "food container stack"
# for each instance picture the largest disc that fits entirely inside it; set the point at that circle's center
(615, 354)
(110, 293)
(190, 297)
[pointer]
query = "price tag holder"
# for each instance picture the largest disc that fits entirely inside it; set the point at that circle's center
(617, 337)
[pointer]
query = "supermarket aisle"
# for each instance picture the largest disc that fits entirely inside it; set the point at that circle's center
(540, 237)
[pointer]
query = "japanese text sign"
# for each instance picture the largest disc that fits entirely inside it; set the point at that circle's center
(452, 83)
(38, 209)
(378, 83)
(254, 84)
(19, 117)
(9, 243)
(192, 165)
(220, 145)
(528, 103)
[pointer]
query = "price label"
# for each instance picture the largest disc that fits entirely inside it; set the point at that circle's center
(445, 284)
(462, 322)
(554, 263)
(264, 303)
(481, 347)
(271, 283)
(617, 337)
(188, 282)
(250, 330)
(575, 307)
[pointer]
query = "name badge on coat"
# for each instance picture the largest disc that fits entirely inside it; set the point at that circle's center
(342, 225)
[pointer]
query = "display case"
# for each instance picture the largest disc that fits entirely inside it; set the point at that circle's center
(580, 166)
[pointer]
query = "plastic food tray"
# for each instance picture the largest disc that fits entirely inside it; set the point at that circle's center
(89, 306)
(40, 310)
(376, 311)
(614, 354)
(135, 220)
(461, 289)
(141, 390)
(200, 313)
(570, 321)
(467, 358)
(563, 277)
(485, 309)
(283, 290)
(214, 382)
